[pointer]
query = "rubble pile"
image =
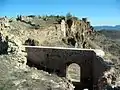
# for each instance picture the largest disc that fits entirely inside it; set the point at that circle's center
(108, 81)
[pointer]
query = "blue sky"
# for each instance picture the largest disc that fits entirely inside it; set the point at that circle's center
(99, 12)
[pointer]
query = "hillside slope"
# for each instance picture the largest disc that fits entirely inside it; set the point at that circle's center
(47, 35)
(14, 73)
(111, 34)
(116, 27)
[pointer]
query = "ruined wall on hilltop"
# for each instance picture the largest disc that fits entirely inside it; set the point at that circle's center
(74, 31)
(58, 59)
(78, 30)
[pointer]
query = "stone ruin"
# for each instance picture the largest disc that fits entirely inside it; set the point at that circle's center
(63, 27)
(57, 59)
(77, 31)
(95, 73)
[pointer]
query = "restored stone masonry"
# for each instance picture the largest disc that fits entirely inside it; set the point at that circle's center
(59, 58)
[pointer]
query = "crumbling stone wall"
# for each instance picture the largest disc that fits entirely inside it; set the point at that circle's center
(63, 28)
(79, 30)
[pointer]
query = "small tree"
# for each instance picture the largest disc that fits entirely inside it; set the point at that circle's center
(75, 18)
(68, 16)
(60, 18)
(69, 20)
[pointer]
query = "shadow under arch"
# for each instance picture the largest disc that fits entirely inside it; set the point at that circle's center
(86, 81)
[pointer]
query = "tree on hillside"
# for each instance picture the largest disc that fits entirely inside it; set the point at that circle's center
(60, 18)
(75, 18)
(69, 20)
(68, 16)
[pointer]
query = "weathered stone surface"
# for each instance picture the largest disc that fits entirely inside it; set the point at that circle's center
(57, 59)
(63, 27)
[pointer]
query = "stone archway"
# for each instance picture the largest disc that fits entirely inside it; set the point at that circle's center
(60, 58)
(85, 79)
(73, 72)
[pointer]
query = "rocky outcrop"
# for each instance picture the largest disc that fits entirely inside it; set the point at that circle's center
(77, 32)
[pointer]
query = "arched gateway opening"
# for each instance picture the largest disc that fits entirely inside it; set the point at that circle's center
(80, 74)
(73, 72)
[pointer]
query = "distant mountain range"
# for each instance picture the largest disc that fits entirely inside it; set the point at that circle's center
(117, 27)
